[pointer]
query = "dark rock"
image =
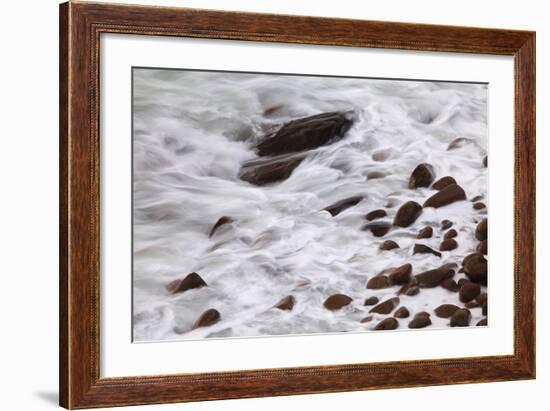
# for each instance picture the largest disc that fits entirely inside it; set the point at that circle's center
(371, 300)
(450, 284)
(412, 291)
(424, 249)
(377, 228)
(337, 301)
(373, 175)
(432, 278)
(402, 312)
(485, 161)
(475, 267)
(426, 232)
(272, 170)
(459, 143)
(482, 299)
(482, 247)
(481, 230)
(389, 323)
(484, 309)
(479, 206)
(306, 133)
(286, 303)
(388, 245)
(468, 291)
(446, 310)
(367, 319)
(222, 221)
(450, 234)
(207, 318)
(422, 176)
(443, 182)
(420, 320)
(461, 318)
(191, 281)
(378, 282)
(477, 198)
(448, 195)
(373, 215)
(385, 307)
(407, 214)
(462, 281)
(446, 224)
(339, 206)
(482, 323)
(448, 244)
(400, 275)
(472, 304)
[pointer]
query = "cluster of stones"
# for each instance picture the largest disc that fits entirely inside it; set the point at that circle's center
(284, 150)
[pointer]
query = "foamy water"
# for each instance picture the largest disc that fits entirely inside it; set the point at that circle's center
(192, 133)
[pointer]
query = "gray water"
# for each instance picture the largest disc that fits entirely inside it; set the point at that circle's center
(194, 130)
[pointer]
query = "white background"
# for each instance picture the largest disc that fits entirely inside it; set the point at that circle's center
(28, 232)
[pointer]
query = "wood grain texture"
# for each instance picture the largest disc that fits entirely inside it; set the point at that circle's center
(80, 27)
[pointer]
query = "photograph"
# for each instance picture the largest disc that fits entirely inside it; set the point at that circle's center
(269, 204)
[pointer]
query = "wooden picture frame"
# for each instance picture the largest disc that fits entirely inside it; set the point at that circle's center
(80, 27)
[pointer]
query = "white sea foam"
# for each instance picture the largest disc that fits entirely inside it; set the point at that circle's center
(192, 133)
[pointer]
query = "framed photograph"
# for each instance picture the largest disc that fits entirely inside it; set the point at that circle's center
(259, 205)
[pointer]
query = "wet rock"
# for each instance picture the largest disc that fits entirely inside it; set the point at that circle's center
(422, 176)
(407, 214)
(484, 309)
(367, 319)
(477, 198)
(378, 282)
(420, 320)
(447, 195)
(339, 206)
(272, 170)
(221, 222)
(459, 143)
(207, 318)
(481, 230)
(482, 323)
(475, 267)
(402, 312)
(377, 228)
(286, 303)
(382, 155)
(468, 291)
(371, 300)
(448, 245)
(443, 182)
(388, 245)
(479, 206)
(461, 318)
(462, 281)
(450, 284)
(337, 301)
(191, 281)
(472, 304)
(446, 310)
(446, 224)
(424, 249)
(389, 323)
(485, 161)
(400, 275)
(432, 278)
(412, 291)
(373, 215)
(306, 133)
(482, 299)
(374, 175)
(426, 232)
(385, 307)
(482, 247)
(450, 234)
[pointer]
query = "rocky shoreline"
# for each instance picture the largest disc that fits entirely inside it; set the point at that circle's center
(462, 276)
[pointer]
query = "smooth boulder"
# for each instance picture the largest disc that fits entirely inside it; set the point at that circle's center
(207, 318)
(266, 171)
(461, 318)
(385, 307)
(424, 249)
(407, 214)
(389, 323)
(191, 281)
(286, 304)
(377, 228)
(432, 278)
(481, 230)
(339, 206)
(448, 195)
(443, 182)
(422, 176)
(475, 267)
(426, 232)
(221, 222)
(373, 215)
(388, 245)
(337, 301)
(420, 320)
(448, 245)
(446, 310)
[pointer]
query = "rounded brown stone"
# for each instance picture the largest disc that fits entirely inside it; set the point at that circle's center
(479, 206)
(400, 275)
(371, 300)
(481, 230)
(420, 320)
(482, 323)
(468, 291)
(424, 249)
(286, 303)
(446, 224)
(482, 247)
(448, 195)
(339, 206)
(426, 232)
(221, 222)
(378, 282)
(191, 281)
(377, 228)
(475, 267)
(407, 214)
(448, 245)
(388, 245)
(385, 307)
(443, 182)
(450, 284)
(450, 234)
(446, 310)
(432, 278)
(461, 318)
(422, 176)
(412, 291)
(402, 312)
(337, 301)
(207, 318)
(373, 215)
(367, 319)
(389, 323)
